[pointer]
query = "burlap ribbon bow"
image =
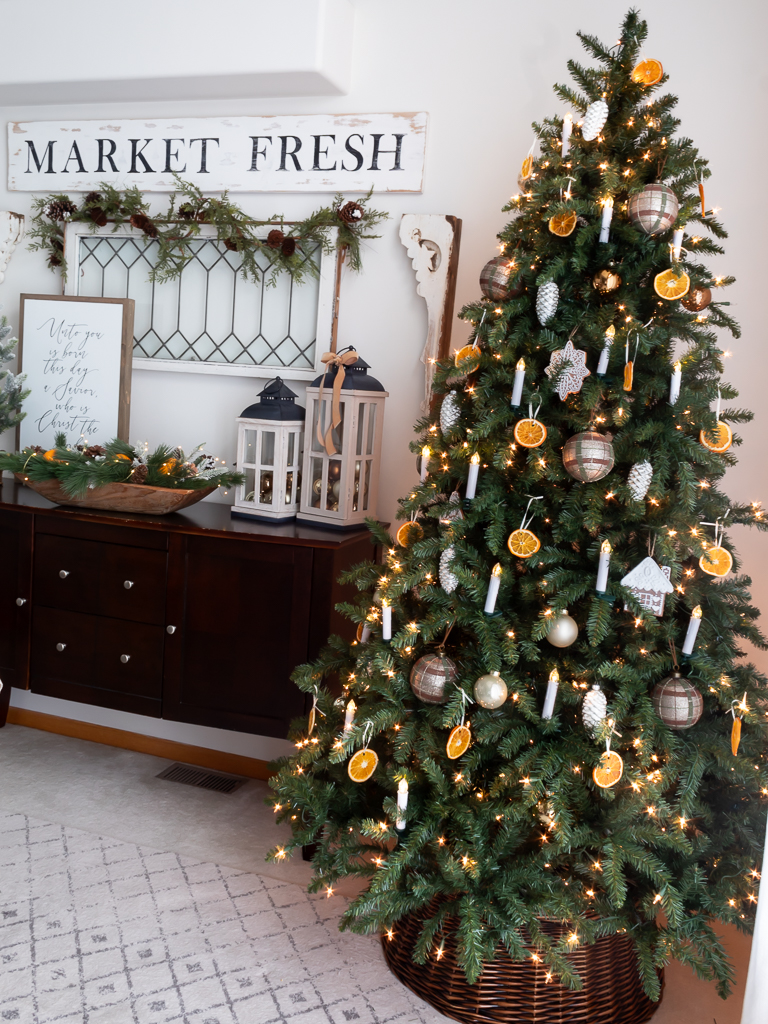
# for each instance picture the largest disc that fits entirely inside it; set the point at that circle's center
(340, 360)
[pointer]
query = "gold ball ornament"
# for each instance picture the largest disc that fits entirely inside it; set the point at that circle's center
(606, 281)
(491, 691)
(431, 677)
(698, 298)
(677, 702)
(564, 631)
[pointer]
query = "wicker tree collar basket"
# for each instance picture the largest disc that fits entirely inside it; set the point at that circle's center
(517, 992)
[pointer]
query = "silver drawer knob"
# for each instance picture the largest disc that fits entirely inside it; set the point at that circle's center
(60, 647)
(128, 584)
(63, 574)
(170, 630)
(125, 658)
(21, 601)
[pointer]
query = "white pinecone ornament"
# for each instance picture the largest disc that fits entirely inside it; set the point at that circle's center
(594, 711)
(594, 120)
(546, 302)
(450, 413)
(448, 578)
(639, 479)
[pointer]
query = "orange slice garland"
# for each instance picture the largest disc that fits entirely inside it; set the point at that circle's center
(670, 284)
(609, 771)
(647, 72)
(718, 440)
(563, 224)
(530, 433)
(458, 741)
(716, 561)
(523, 543)
(362, 765)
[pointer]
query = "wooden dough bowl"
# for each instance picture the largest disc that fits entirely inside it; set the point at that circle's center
(154, 501)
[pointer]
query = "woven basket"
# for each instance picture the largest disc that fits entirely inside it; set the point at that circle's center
(517, 992)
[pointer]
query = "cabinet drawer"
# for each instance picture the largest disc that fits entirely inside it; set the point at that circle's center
(100, 579)
(97, 660)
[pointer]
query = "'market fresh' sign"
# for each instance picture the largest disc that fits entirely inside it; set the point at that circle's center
(314, 153)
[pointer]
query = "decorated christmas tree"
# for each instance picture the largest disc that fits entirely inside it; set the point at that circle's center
(12, 392)
(546, 714)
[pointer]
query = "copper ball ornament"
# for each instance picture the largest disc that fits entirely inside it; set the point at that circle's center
(677, 702)
(698, 298)
(491, 691)
(564, 630)
(654, 210)
(494, 280)
(588, 456)
(431, 677)
(606, 281)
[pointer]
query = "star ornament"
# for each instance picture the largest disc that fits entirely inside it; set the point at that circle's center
(570, 365)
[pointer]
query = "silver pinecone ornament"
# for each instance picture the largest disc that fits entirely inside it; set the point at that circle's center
(450, 413)
(546, 302)
(453, 513)
(639, 479)
(594, 711)
(448, 578)
(594, 120)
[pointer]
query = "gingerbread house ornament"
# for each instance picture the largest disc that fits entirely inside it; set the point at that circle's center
(649, 583)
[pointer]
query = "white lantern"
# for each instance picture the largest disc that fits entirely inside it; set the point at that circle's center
(269, 441)
(342, 453)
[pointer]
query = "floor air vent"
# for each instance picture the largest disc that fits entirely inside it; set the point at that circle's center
(203, 778)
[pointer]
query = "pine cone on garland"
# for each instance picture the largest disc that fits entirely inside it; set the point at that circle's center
(93, 198)
(350, 213)
(186, 211)
(139, 474)
(93, 450)
(60, 209)
(275, 238)
(288, 248)
(98, 216)
(141, 222)
(231, 244)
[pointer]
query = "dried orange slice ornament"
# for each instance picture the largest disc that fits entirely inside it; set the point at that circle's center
(671, 284)
(563, 224)
(647, 72)
(527, 169)
(530, 433)
(467, 352)
(458, 741)
(735, 735)
(362, 765)
(409, 533)
(523, 543)
(716, 561)
(609, 771)
(629, 370)
(718, 440)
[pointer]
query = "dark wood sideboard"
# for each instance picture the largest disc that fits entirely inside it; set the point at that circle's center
(193, 617)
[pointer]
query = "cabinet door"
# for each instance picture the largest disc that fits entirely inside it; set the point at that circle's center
(240, 615)
(15, 587)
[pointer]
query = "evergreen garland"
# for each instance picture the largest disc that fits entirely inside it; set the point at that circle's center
(289, 248)
(516, 830)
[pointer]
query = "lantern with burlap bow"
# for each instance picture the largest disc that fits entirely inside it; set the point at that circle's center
(342, 451)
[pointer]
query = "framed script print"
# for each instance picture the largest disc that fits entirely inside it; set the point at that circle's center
(76, 354)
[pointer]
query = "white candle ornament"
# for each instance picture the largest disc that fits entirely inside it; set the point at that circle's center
(677, 243)
(517, 386)
(674, 383)
(349, 715)
(474, 470)
(366, 633)
(693, 629)
(402, 803)
(424, 463)
(602, 567)
(605, 224)
(602, 365)
(549, 699)
(567, 129)
(386, 621)
(493, 590)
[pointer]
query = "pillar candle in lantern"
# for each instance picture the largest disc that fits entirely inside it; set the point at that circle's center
(693, 629)
(349, 715)
(602, 365)
(493, 590)
(402, 803)
(605, 224)
(567, 129)
(602, 567)
(549, 699)
(386, 620)
(674, 383)
(517, 386)
(424, 463)
(474, 470)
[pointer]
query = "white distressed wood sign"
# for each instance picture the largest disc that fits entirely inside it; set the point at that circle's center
(76, 354)
(291, 153)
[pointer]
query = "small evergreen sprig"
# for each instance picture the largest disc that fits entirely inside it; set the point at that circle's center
(84, 467)
(288, 247)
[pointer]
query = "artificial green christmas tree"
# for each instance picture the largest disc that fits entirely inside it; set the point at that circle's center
(12, 392)
(560, 559)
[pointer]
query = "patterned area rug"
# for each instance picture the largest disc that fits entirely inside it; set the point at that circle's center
(97, 931)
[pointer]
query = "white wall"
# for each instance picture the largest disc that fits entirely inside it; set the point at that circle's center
(484, 70)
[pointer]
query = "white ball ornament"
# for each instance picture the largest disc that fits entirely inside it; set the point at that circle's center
(594, 710)
(491, 691)
(564, 630)
(450, 413)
